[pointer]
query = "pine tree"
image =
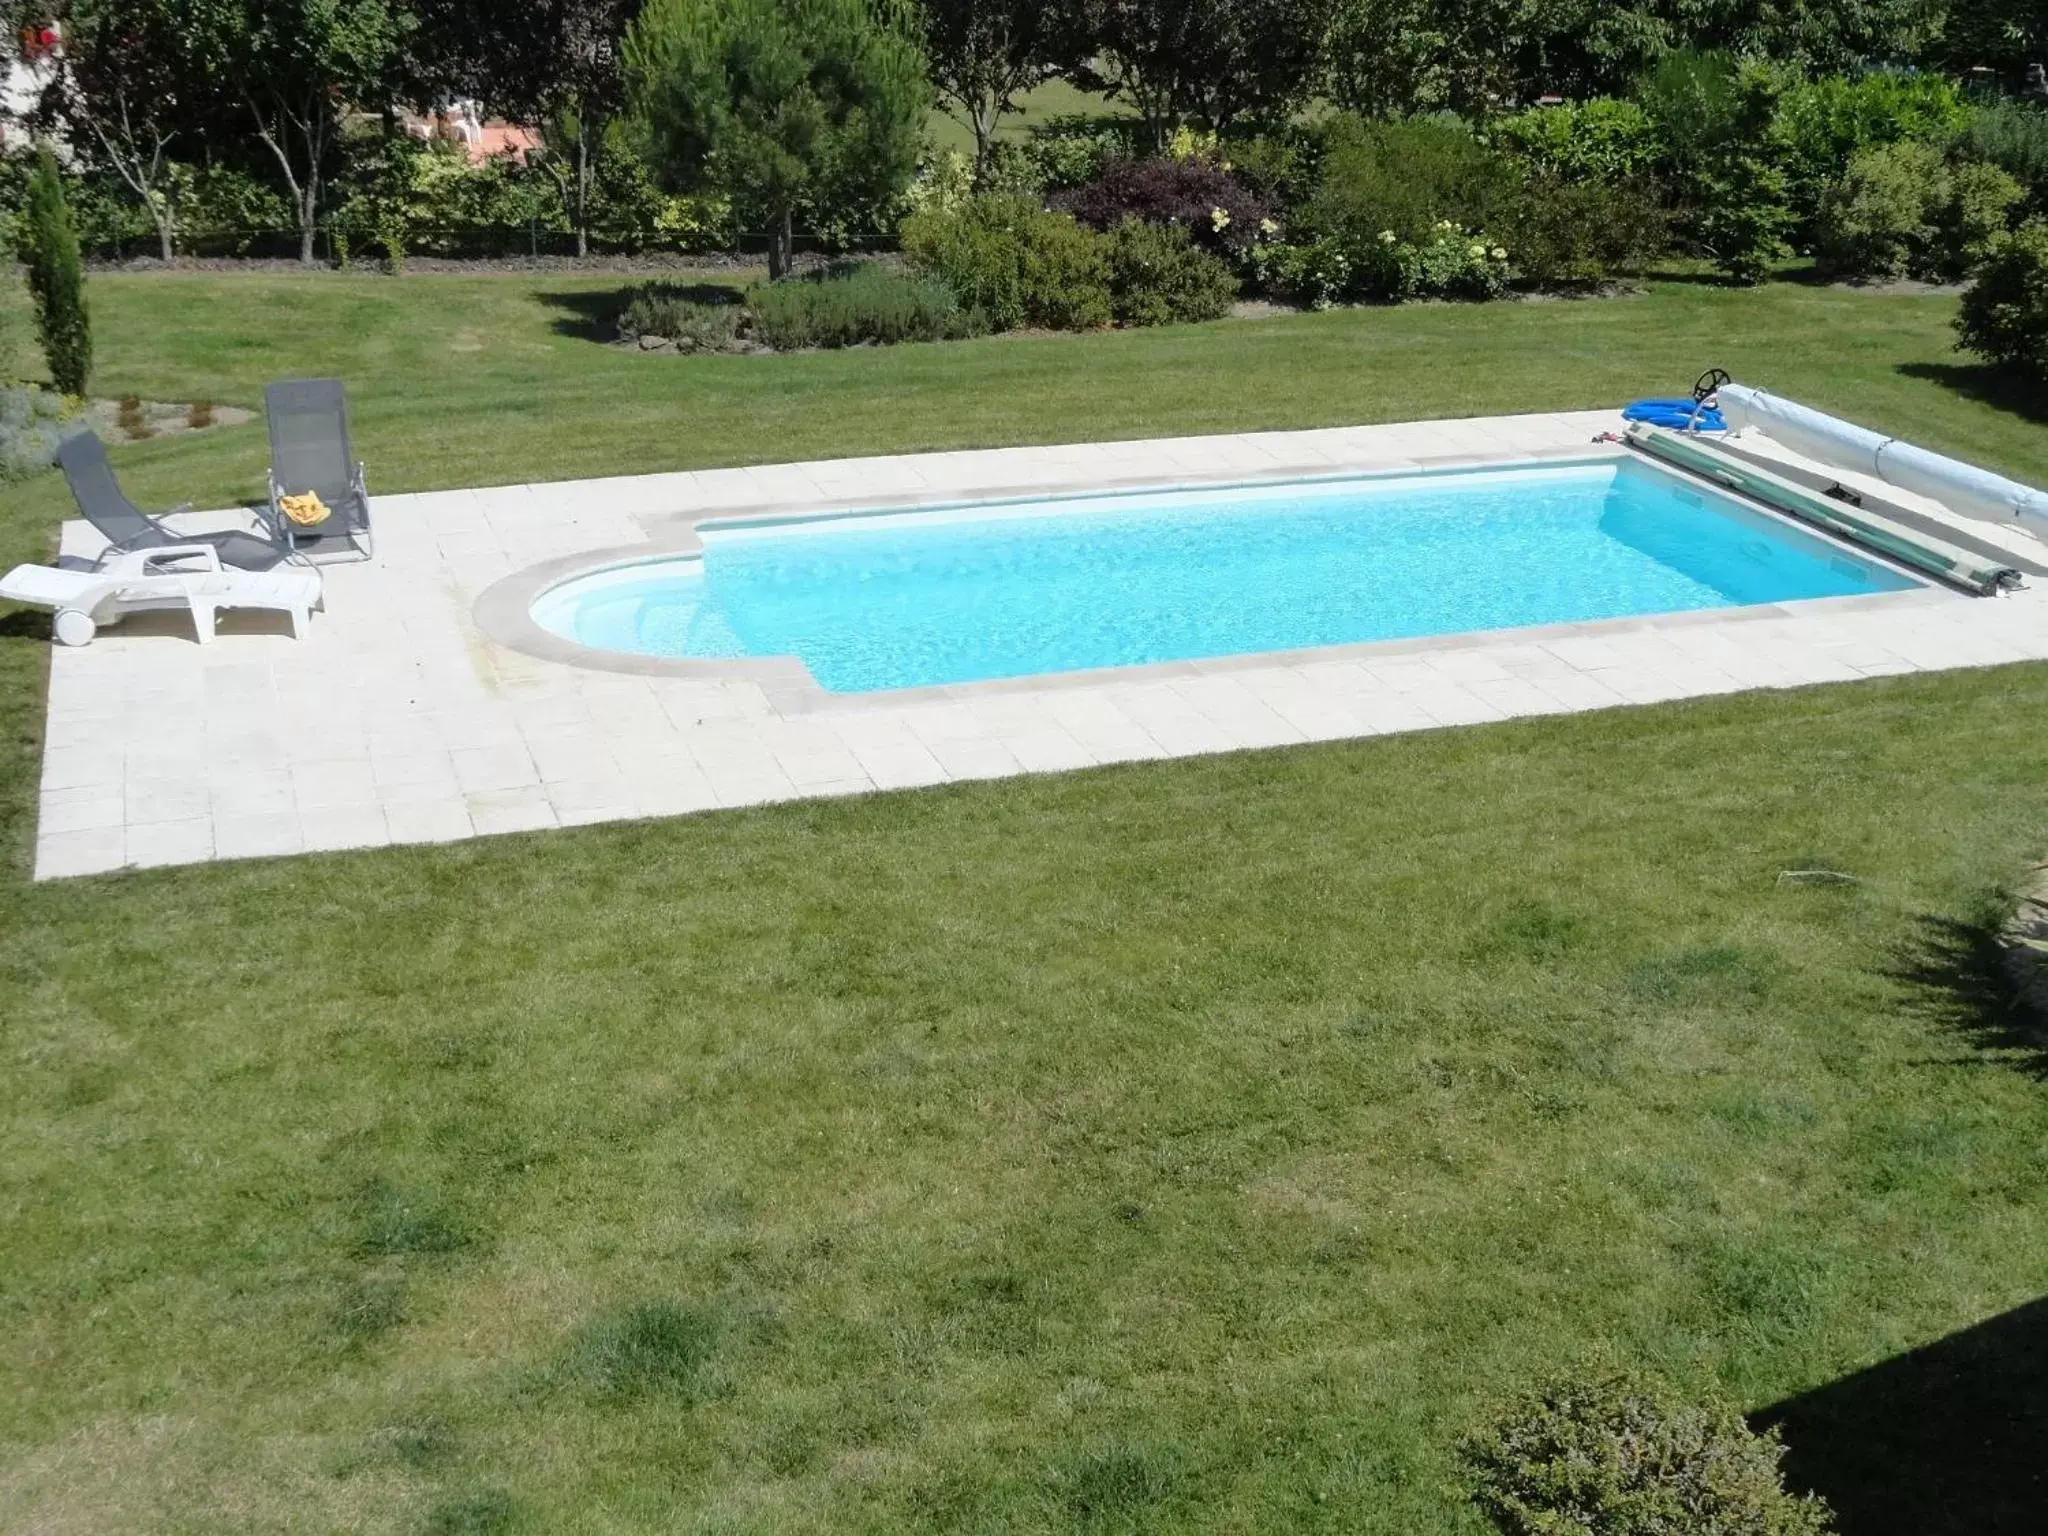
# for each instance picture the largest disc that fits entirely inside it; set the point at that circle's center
(56, 277)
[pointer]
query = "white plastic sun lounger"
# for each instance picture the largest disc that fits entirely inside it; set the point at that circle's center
(188, 576)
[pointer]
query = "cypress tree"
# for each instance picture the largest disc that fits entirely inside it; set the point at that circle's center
(56, 277)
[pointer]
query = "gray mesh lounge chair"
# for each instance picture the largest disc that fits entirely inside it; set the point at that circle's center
(309, 451)
(128, 528)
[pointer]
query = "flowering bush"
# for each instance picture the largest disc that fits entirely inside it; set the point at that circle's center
(1449, 262)
(942, 184)
(1312, 273)
(1452, 263)
(1218, 211)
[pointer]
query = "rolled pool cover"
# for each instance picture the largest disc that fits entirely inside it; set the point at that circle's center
(1958, 486)
(1958, 567)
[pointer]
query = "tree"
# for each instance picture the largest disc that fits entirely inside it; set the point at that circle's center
(1384, 58)
(294, 65)
(56, 277)
(1219, 61)
(787, 106)
(553, 62)
(125, 88)
(983, 52)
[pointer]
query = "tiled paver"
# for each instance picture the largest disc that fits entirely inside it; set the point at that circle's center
(397, 720)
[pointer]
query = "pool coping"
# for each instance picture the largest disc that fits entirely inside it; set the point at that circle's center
(503, 611)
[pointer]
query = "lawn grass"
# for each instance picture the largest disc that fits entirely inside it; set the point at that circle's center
(1186, 1146)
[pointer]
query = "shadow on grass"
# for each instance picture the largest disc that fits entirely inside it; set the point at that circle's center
(25, 624)
(591, 314)
(1943, 1439)
(1955, 974)
(1995, 387)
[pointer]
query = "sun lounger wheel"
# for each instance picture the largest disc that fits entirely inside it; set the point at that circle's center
(75, 626)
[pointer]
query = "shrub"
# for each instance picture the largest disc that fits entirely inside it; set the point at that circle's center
(1565, 231)
(868, 304)
(1976, 216)
(33, 422)
(2004, 312)
(1603, 1452)
(1902, 208)
(1602, 140)
(224, 210)
(1878, 220)
(1217, 210)
(1821, 124)
(1314, 273)
(1015, 262)
(1451, 263)
(2013, 137)
(1069, 150)
(1405, 177)
(56, 278)
(1158, 275)
(1722, 159)
(704, 317)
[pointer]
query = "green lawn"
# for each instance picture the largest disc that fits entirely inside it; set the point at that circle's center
(1185, 1146)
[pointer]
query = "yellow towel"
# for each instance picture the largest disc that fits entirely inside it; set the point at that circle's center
(304, 510)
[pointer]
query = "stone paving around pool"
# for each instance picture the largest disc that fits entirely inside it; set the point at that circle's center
(397, 720)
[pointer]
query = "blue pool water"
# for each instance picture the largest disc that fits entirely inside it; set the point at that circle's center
(917, 598)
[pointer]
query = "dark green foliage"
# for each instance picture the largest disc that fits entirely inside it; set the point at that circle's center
(1405, 178)
(1716, 120)
(1607, 1452)
(868, 304)
(2004, 313)
(707, 318)
(651, 1349)
(1016, 263)
(56, 278)
(1158, 275)
(1561, 231)
(810, 108)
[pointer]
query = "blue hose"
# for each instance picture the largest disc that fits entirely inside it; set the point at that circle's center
(1677, 414)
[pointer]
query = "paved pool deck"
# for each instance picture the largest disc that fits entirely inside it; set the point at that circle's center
(401, 719)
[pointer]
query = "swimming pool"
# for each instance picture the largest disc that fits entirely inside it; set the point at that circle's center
(966, 594)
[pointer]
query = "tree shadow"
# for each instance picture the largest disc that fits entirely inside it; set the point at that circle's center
(591, 314)
(1988, 385)
(1954, 972)
(1948, 1438)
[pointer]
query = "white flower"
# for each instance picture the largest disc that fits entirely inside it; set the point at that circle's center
(1386, 237)
(1219, 219)
(1478, 250)
(1499, 254)
(1268, 227)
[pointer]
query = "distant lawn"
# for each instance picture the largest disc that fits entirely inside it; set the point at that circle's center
(1186, 1146)
(1054, 98)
